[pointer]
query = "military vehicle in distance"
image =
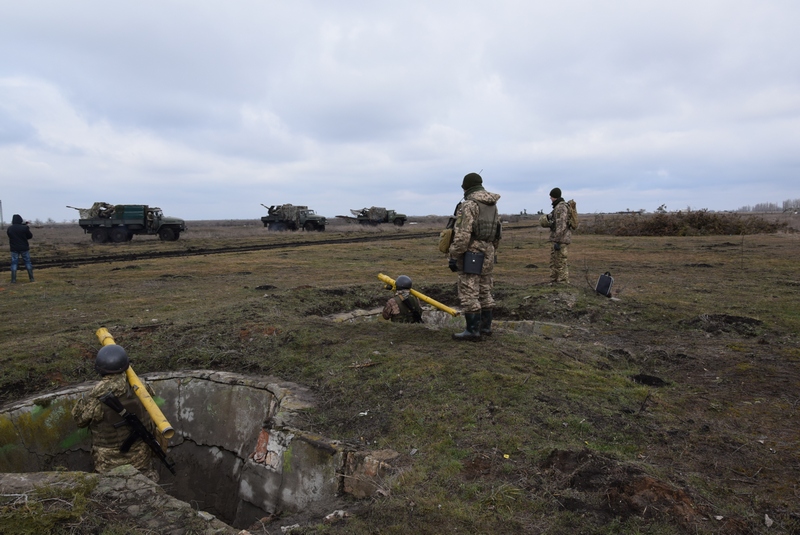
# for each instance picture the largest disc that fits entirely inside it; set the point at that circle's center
(120, 222)
(375, 216)
(291, 217)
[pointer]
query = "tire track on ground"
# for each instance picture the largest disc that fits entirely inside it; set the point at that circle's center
(45, 262)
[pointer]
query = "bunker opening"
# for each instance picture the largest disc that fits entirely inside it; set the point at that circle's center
(237, 452)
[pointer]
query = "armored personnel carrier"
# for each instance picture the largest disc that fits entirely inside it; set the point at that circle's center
(291, 217)
(120, 222)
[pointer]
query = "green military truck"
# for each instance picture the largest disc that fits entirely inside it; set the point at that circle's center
(120, 222)
(376, 215)
(291, 217)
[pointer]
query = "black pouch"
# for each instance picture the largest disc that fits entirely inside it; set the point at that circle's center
(604, 284)
(473, 263)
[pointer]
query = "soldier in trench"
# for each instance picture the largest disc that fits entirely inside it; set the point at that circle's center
(403, 307)
(111, 363)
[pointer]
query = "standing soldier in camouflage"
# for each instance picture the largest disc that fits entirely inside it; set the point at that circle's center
(403, 307)
(476, 235)
(560, 237)
(111, 363)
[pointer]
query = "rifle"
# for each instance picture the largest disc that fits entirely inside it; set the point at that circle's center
(416, 315)
(138, 431)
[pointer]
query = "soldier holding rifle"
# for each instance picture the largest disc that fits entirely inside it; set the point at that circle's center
(116, 440)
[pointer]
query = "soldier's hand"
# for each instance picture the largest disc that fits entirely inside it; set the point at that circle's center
(453, 265)
(557, 246)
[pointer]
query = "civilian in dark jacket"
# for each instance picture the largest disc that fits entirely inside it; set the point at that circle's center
(18, 236)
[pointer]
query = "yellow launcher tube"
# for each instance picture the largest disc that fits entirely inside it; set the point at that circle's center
(434, 302)
(139, 389)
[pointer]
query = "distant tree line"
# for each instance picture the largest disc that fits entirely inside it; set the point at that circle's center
(684, 223)
(788, 205)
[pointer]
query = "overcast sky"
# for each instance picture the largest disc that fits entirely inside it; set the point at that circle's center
(208, 109)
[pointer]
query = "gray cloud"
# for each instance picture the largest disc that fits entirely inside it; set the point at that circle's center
(208, 109)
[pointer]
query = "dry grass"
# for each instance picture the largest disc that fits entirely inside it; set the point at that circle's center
(715, 317)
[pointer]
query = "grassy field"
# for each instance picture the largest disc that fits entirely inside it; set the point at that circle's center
(672, 408)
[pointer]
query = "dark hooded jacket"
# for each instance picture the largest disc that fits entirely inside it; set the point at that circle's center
(18, 235)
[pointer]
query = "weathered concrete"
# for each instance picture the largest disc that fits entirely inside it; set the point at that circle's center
(39, 434)
(135, 500)
(367, 472)
(237, 453)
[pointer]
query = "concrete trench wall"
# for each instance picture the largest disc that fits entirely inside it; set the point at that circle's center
(237, 455)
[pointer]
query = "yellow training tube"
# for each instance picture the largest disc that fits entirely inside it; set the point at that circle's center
(138, 388)
(434, 302)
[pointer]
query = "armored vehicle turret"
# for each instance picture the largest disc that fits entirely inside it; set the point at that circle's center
(375, 216)
(291, 217)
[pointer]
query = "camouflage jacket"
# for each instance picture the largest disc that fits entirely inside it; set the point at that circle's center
(90, 412)
(559, 228)
(470, 225)
(397, 312)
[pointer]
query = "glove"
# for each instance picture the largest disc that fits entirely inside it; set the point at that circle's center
(557, 246)
(453, 265)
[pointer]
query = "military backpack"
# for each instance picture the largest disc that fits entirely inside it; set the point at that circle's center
(572, 221)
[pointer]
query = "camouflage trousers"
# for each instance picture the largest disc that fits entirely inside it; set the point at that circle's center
(559, 269)
(475, 292)
(139, 456)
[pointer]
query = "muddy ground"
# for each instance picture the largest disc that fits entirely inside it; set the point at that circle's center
(670, 408)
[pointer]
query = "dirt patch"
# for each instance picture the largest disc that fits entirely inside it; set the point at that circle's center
(618, 489)
(718, 323)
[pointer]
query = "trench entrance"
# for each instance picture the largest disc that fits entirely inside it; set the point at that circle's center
(236, 452)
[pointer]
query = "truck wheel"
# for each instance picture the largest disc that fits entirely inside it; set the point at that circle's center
(167, 234)
(119, 234)
(309, 226)
(398, 222)
(99, 235)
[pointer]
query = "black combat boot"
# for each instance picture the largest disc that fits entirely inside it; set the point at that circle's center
(473, 330)
(30, 274)
(486, 322)
(13, 276)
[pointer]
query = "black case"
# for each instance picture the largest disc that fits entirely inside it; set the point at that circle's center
(473, 263)
(604, 284)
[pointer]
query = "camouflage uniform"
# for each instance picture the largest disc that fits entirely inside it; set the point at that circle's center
(90, 412)
(399, 307)
(476, 230)
(560, 234)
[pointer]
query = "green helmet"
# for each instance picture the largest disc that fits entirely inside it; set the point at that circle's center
(111, 359)
(403, 282)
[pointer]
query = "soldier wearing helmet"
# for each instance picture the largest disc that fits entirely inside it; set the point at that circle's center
(111, 363)
(476, 235)
(403, 307)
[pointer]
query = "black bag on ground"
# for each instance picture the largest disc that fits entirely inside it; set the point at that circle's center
(604, 284)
